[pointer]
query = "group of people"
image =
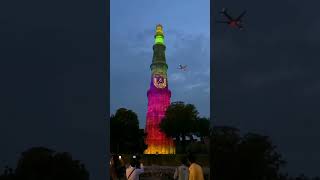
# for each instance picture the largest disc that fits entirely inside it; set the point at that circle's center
(188, 170)
(118, 171)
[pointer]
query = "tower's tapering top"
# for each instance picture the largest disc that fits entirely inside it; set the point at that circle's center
(159, 37)
(159, 29)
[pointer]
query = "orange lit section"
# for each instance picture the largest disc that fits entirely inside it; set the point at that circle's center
(153, 149)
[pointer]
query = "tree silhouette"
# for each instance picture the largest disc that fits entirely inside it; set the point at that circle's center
(179, 121)
(126, 137)
(203, 127)
(40, 163)
(7, 174)
(260, 157)
(251, 156)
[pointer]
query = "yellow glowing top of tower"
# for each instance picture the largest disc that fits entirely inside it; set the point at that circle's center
(159, 29)
(159, 38)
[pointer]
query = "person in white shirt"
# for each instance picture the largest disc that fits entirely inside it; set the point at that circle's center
(133, 171)
(182, 172)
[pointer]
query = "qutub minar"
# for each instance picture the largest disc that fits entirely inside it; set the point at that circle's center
(158, 100)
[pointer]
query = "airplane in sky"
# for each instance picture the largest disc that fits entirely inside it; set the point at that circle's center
(182, 67)
(232, 22)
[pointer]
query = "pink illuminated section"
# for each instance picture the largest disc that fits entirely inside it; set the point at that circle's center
(158, 143)
(158, 101)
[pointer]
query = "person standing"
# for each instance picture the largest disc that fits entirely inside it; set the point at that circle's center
(195, 170)
(134, 170)
(182, 172)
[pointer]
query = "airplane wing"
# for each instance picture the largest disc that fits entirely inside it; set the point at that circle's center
(241, 15)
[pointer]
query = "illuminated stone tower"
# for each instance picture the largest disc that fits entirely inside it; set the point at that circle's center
(158, 100)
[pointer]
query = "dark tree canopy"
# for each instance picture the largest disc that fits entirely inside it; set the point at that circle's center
(251, 156)
(41, 163)
(179, 119)
(126, 137)
(203, 127)
(182, 120)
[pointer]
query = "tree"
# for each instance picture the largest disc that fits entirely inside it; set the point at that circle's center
(302, 177)
(179, 121)
(251, 156)
(224, 156)
(7, 174)
(259, 156)
(126, 137)
(203, 127)
(40, 163)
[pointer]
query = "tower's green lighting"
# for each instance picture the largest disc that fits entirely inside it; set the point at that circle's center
(159, 40)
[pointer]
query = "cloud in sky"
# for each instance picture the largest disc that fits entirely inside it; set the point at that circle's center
(192, 86)
(177, 77)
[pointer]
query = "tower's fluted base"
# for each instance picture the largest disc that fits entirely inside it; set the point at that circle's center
(157, 141)
(160, 147)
